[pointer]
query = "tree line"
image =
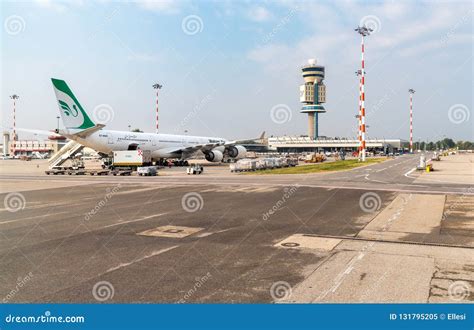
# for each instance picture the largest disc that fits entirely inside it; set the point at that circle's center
(445, 143)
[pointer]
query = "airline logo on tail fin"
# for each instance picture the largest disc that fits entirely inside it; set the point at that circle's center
(73, 115)
(67, 110)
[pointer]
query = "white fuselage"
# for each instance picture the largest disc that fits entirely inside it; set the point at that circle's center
(160, 145)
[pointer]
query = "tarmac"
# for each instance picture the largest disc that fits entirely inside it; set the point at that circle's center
(380, 233)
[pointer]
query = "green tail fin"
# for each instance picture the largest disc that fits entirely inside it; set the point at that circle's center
(73, 115)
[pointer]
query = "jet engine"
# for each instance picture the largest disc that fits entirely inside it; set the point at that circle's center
(214, 156)
(237, 151)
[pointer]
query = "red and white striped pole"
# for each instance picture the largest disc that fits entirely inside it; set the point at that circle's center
(157, 107)
(157, 87)
(362, 102)
(359, 133)
(363, 31)
(14, 97)
(411, 91)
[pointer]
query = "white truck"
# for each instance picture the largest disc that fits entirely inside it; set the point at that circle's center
(131, 158)
(147, 171)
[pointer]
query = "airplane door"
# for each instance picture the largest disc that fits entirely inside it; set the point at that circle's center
(110, 140)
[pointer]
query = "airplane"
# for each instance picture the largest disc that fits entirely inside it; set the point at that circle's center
(80, 128)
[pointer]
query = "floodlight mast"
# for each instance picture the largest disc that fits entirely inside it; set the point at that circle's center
(411, 92)
(157, 87)
(364, 32)
(14, 97)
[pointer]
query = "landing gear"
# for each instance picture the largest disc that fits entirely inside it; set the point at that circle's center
(181, 163)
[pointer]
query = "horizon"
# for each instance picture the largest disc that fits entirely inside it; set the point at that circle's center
(228, 68)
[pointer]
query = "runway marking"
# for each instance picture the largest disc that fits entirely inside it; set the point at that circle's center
(171, 231)
(153, 254)
(367, 178)
(34, 217)
(409, 172)
(135, 220)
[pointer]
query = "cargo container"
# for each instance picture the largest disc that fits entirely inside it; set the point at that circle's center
(132, 158)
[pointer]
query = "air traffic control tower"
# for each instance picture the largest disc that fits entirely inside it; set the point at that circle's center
(312, 95)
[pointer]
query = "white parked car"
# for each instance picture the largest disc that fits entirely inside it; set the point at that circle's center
(146, 171)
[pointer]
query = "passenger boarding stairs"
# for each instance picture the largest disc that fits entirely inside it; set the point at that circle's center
(66, 152)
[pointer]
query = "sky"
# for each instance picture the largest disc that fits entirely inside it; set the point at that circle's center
(232, 69)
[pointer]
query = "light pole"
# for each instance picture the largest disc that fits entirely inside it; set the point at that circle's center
(57, 129)
(157, 87)
(359, 133)
(14, 97)
(411, 92)
(364, 32)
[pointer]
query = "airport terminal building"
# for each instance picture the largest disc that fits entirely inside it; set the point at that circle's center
(306, 144)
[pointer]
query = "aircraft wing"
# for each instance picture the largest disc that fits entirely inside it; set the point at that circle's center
(231, 143)
(188, 151)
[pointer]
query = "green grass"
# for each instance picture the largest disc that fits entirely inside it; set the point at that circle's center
(340, 165)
